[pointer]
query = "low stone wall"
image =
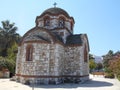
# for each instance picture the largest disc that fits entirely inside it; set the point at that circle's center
(1, 74)
(5, 74)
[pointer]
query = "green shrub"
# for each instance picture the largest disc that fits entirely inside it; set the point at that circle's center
(109, 75)
(118, 76)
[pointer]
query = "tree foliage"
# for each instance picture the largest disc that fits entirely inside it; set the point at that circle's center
(106, 59)
(114, 64)
(6, 63)
(92, 64)
(99, 66)
(12, 52)
(8, 37)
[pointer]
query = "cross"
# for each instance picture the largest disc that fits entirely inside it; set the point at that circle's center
(55, 4)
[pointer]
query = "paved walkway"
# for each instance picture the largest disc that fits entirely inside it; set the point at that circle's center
(96, 83)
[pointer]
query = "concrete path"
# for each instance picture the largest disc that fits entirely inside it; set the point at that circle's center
(96, 83)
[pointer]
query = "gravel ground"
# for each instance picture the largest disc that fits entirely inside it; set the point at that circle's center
(95, 83)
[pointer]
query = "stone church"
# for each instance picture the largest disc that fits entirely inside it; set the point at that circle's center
(50, 53)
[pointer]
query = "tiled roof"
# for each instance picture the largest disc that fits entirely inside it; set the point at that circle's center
(74, 39)
(57, 37)
(55, 11)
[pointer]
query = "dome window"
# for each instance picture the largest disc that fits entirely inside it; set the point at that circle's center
(47, 21)
(61, 22)
(62, 33)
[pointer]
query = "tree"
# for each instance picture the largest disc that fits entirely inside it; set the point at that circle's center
(99, 66)
(91, 56)
(8, 36)
(114, 64)
(106, 59)
(9, 40)
(92, 64)
(12, 51)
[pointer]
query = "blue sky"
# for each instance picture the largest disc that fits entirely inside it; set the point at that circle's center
(100, 19)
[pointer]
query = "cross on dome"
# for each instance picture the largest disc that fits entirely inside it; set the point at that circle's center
(55, 4)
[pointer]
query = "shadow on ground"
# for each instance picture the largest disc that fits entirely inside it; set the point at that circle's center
(90, 83)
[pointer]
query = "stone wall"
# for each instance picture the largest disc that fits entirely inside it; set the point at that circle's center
(52, 63)
(59, 58)
(72, 61)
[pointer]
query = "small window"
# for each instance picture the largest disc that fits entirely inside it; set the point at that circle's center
(61, 22)
(47, 21)
(29, 53)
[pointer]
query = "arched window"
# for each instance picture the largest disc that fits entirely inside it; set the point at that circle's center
(71, 26)
(47, 21)
(61, 22)
(29, 53)
(85, 54)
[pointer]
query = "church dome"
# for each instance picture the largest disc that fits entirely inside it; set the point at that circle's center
(55, 11)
